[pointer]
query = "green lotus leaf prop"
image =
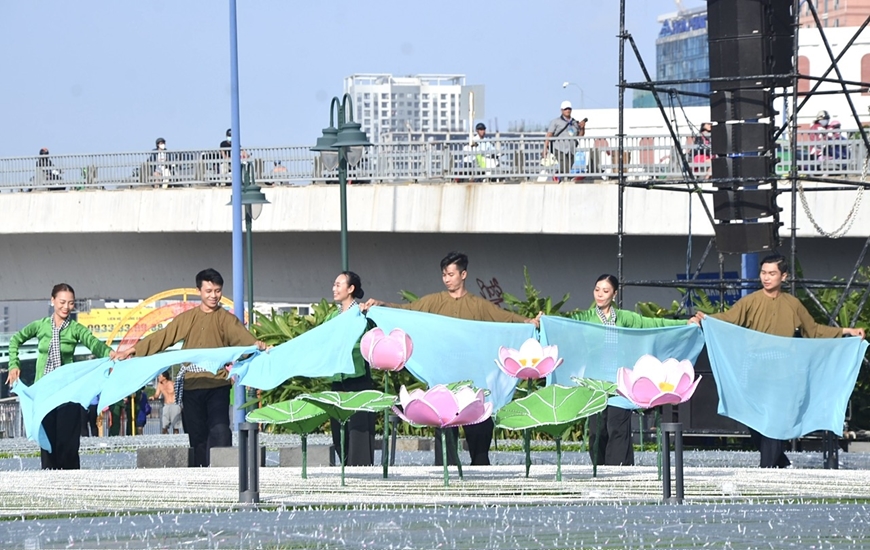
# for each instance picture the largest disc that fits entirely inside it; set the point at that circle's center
(453, 386)
(341, 405)
(552, 410)
(301, 417)
(601, 385)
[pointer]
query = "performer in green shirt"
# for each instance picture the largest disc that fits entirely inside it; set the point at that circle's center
(58, 337)
(614, 439)
(359, 435)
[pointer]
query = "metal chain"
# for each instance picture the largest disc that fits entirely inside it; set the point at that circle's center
(850, 218)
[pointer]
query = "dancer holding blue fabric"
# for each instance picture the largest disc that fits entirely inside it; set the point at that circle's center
(58, 336)
(771, 311)
(359, 443)
(204, 397)
(458, 303)
(614, 446)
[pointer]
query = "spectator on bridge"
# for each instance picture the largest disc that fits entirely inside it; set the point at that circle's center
(457, 302)
(46, 169)
(225, 153)
(564, 131)
(771, 311)
(702, 154)
(484, 157)
(204, 397)
(57, 336)
(359, 435)
(837, 151)
(161, 171)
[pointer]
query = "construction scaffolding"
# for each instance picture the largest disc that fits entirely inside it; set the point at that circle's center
(795, 180)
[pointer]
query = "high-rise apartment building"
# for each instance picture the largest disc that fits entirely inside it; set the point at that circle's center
(681, 52)
(388, 106)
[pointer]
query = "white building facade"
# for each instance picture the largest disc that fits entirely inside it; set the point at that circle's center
(398, 108)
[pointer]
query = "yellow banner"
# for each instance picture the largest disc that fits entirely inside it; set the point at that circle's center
(102, 321)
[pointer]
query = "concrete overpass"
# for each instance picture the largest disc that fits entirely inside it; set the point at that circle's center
(132, 243)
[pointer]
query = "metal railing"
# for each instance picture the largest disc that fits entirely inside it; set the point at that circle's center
(515, 159)
(12, 423)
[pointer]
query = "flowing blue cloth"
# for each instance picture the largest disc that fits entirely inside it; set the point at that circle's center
(323, 351)
(71, 383)
(782, 387)
(451, 350)
(130, 375)
(81, 382)
(598, 351)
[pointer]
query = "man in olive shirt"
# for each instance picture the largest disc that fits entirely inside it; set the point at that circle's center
(203, 396)
(456, 302)
(771, 311)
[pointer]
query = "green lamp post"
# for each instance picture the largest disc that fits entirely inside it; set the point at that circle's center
(340, 147)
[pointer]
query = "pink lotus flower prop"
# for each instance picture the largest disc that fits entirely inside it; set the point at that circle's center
(531, 361)
(442, 408)
(386, 351)
(652, 383)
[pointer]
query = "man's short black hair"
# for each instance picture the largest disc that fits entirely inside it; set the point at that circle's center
(777, 259)
(210, 275)
(458, 258)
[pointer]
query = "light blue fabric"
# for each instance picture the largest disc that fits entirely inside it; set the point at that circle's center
(83, 381)
(130, 375)
(450, 350)
(71, 383)
(597, 351)
(323, 351)
(782, 387)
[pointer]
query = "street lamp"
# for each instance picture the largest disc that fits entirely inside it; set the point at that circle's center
(339, 147)
(566, 84)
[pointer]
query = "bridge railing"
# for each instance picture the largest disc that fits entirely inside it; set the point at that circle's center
(421, 162)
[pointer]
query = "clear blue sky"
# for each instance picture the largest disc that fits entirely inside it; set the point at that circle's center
(102, 76)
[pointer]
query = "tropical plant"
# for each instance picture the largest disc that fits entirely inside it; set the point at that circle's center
(534, 302)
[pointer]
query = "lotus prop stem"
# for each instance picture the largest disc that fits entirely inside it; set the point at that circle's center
(342, 457)
(304, 456)
(444, 457)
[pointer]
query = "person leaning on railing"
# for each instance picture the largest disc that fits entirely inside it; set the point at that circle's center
(565, 126)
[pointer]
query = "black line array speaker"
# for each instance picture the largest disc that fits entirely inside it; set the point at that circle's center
(750, 38)
(751, 46)
(757, 168)
(748, 137)
(743, 238)
(741, 105)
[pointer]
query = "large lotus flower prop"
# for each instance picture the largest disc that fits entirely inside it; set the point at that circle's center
(652, 382)
(443, 407)
(531, 361)
(387, 352)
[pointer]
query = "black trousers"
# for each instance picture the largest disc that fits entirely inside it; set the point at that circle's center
(63, 426)
(479, 438)
(89, 421)
(206, 418)
(359, 431)
(772, 450)
(614, 439)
